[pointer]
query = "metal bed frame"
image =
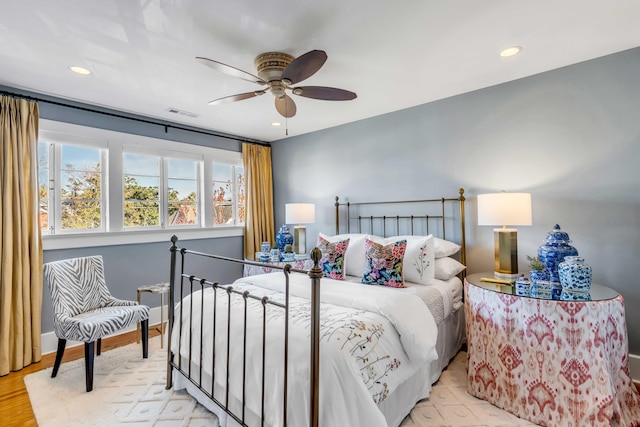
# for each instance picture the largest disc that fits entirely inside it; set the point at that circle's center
(410, 222)
(182, 282)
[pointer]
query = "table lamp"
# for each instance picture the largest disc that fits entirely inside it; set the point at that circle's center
(300, 213)
(505, 209)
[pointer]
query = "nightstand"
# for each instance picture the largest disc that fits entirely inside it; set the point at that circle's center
(548, 361)
(158, 289)
(265, 267)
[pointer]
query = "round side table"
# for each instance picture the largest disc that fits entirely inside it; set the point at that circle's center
(158, 288)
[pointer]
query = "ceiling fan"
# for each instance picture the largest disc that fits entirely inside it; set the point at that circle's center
(278, 72)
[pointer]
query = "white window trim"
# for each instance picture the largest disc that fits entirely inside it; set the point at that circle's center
(114, 233)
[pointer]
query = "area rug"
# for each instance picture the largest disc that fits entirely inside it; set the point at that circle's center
(127, 391)
(130, 391)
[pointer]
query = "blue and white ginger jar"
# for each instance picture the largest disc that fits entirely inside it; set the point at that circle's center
(284, 238)
(575, 275)
(554, 250)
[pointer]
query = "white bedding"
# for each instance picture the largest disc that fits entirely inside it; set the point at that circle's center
(443, 297)
(372, 340)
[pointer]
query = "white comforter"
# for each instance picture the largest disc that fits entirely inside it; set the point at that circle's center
(372, 339)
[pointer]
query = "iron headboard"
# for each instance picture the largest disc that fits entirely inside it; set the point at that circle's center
(432, 213)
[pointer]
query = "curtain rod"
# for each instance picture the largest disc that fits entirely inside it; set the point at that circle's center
(121, 116)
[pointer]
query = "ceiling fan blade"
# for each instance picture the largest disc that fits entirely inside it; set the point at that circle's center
(286, 106)
(231, 71)
(238, 97)
(324, 93)
(304, 66)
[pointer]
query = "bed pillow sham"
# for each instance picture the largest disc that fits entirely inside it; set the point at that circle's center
(447, 267)
(384, 263)
(419, 257)
(355, 258)
(444, 248)
(333, 257)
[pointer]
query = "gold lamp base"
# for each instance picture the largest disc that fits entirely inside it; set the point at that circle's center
(506, 253)
(300, 239)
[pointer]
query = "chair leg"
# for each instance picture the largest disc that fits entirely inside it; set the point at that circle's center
(99, 347)
(61, 345)
(144, 326)
(88, 364)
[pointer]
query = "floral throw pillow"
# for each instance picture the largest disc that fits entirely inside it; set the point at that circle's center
(384, 263)
(332, 261)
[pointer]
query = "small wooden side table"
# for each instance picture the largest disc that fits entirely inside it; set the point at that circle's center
(158, 288)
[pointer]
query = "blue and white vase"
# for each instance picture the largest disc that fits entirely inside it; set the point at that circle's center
(555, 248)
(265, 247)
(288, 256)
(275, 255)
(536, 275)
(284, 237)
(574, 296)
(575, 275)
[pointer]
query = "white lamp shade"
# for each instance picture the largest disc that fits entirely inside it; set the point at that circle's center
(504, 209)
(300, 213)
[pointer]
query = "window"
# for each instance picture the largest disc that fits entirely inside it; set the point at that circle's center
(81, 205)
(228, 194)
(94, 182)
(141, 185)
(43, 185)
(182, 192)
(70, 187)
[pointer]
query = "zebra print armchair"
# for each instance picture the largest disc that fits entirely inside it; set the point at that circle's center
(85, 310)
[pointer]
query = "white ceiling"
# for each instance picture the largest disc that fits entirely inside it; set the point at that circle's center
(393, 54)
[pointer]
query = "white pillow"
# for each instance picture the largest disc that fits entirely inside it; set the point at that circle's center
(355, 258)
(447, 267)
(445, 248)
(418, 264)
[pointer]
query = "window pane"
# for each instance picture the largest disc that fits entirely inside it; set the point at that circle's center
(141, 184)
(183, 213)
(77, 214)
(141, 214)
(140, 164)
(43, 185)
(240, 191)
(179, 168)
(182, 192)
(80, 158)
(81, 188)
(222, 194)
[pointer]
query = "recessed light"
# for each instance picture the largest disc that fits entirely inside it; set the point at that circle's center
(510, 51)
(79, 70)
(276, 124)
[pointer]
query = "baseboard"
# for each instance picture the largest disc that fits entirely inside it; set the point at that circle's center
(634, 367)
(50, 341)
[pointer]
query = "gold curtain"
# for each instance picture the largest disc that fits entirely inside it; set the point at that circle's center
(258, 226)
(20, 239)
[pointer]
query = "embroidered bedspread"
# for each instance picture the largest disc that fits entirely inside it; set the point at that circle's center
(372, 339)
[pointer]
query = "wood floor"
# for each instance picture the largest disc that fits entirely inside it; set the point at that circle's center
(15, 407)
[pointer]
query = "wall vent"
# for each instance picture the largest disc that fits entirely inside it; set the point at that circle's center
(181, 112)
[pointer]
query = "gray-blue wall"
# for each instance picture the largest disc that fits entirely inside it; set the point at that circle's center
(570, 137)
